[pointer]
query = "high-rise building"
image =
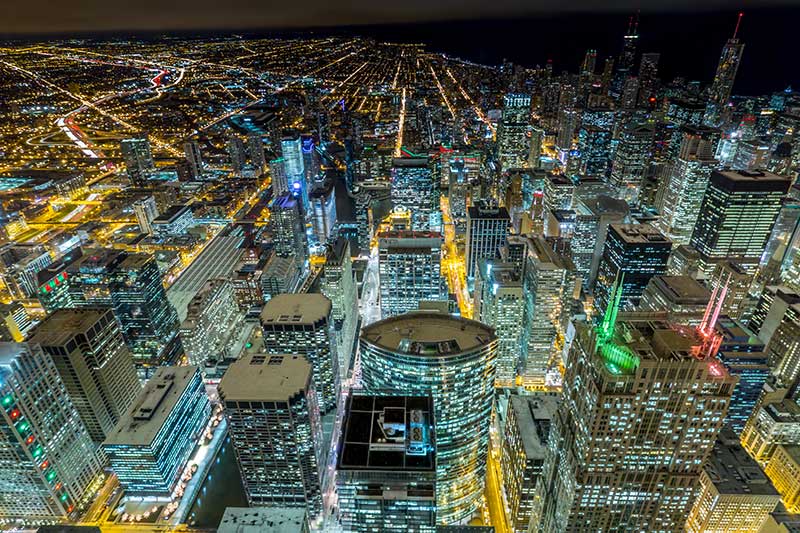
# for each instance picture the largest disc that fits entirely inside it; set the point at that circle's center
(146, 211)
(736, 216)
(784, 345)
(94, 363)
(642, 406)
(425, 353)
(631, 160)
(744, 356)
(525, 433)
(138, 159)
(149, 447)
(592, 217)
(594, 146)
(549, 283)
(213, 323)
(48, 459)
(682, 298)
(648, 78)
(302, 324)
(274, 423)
(735, 494)
(784, 472)
(293, 164)
(339, 285)
(636, 252)
(736, 281)
(255, 146)
(409, 265)
(237, 153)
(194, 157)
(277, 172)
(500, 303)
(682, 191)
(14, 322)
(627, 58)
(487, 232)
(722, 86)
(771, 425)
(287, 227)
(131, 284)
(415, 189)
(386, 469)
(512, 132)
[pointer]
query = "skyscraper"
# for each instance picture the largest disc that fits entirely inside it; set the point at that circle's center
(255, 146)
(722, 85)
(683, 189)
(500, 303)
(131, 284)
(409, 265)
(292, 155)
(415, 189)
(302, 324)
(237, 153)
(631, 159)
(487, 232)
(386, 470)
(512, 133)
(194, 157)
(736, 216)
(425, 353)
(339, 285)
(48, 459)
(146, 211)
(274, 423)
(642, 406)
(549, 282)
(213, 323)
(287, 228)
(94, 363)
(138, 159)
(636, 252)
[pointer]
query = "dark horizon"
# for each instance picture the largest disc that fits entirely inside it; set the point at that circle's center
(692, 53)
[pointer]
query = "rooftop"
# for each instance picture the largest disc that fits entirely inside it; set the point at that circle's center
(172, 212)
(64, 324)
(296, 309)
(534, 414)
(638, 233)
(145, 417)
(733, 471)
(682, 289)
(261, 377)
(426, 333)
(262, 519)
(388, 433)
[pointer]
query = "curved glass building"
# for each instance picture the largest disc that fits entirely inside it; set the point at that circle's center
(453, 359)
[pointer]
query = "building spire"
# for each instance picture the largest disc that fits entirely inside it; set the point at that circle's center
(612, 309)
(738, 22)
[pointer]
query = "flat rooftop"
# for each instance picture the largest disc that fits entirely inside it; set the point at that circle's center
(534, 414)
(639, 233)
(422, 332)
(682, 289)
(262, 377)
(388, 433)
(60, 327)
(262, 520)
(733, 471)
(143, 420)
(296, 309)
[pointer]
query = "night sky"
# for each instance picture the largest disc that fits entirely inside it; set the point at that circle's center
(688, 33)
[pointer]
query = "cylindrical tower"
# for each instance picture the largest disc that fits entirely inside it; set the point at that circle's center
(453, 359)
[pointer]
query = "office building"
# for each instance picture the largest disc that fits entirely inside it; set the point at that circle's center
(274, 423)
(281, 274)
(594, 146)
(149, 447)
(176, 220)
(415, 190)
(722, 85)
(682, 298)
(339, 285)
(744, 356)
(635, 253)
(736, 216)
(131, 284)
(512, 132)
(146, 211)
(784, 345)
(255, 146)
(386, 469)
(592, 217)
(275, 519)
(737, 282)
(194, 158)
(280, 181)
(772, 424)
(14, 322)
(301, 324)
(47, 467)
(487, 232)
(549, 283)
(683, 189)
(631, 160)
(409, 265)
(425, 353)
(735, 494)
(293, 162)
(642, 406)
(94, 363)
(138, 159)
(526, 431)
(213, 323)
(500, 303)
(784, 472)
(287, 227)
